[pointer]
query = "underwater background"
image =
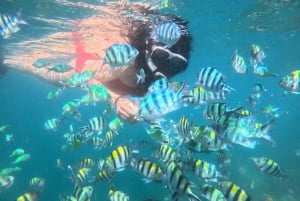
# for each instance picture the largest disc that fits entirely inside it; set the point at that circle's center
(217, 29)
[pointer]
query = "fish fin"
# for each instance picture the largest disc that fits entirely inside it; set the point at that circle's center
(263, 133)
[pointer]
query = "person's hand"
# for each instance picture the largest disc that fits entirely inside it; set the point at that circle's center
(127, 109)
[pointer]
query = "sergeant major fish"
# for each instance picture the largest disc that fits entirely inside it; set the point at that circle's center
(9, 24)
(238, 63)
(148, 168)
(166, 32)
(161, 102)
(120, 55)
(211, 79)
(233, 192)
(268, 166)
(178, 183)
(291, 82)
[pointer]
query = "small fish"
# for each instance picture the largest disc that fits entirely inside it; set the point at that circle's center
(258, 88)
(83, 193)
(29, 196)
(157, 133)
(96, 124)
(78, 79)
(233, 192)
(148, 168)
(17, 152)
(86, 163)
(4, 128)
(9, 24)
(82, 174)
(41, 63)
(8, 171)
(96, 142)
(159, 84)
(6, 182)
(98, 93)
(212, 194)
(270, 110)
(165, 153)
(214, 111)
(161, 102)
(60, 68)
(256, 56)
(36, 184)
(52, 124)
(166, 32)
(203, 169)
(212, 80)
(268, 166)
(200, 96)
(54, 94)
(178, 183)
(115, 124)
(141, 76)
(183, 127)
(115, 195)
(9, 137)
(264, 71)
(291, 82)
(70, 108)
(120, 55)
(110, 136)
(21, 158)
(238, 63)
(104, 175)
(118, 159)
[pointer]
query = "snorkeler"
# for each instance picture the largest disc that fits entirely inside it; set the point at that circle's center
(160, 54)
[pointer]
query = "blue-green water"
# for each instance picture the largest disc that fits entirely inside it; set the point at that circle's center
(217, 28)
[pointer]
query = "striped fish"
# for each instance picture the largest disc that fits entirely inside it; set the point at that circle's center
(120, 55)
(86, 163)
(52, 124)
(29, 196)
(233, 192)
(96, 124)
(178, 183)
(161, 102)
(165, 153)
(183, 127)
(118, 159)
(82, 174)
(109, 138)
(104, 175)
(96, 142)
(115, 195)
(148, 168)
(203, 169)
(159, 84)
(167, 32)
(83, 193)
(212, 194)
(36, 184)
(268, 166)
(9, 24)
(238, 63)
(212, 80)
(214, 111)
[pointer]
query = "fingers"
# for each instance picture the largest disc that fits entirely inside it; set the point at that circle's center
(127, 111)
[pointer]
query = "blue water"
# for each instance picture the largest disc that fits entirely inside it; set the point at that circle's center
(217, 28)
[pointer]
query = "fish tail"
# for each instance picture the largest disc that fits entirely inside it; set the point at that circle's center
(194, 197)
(228, 88)
(263, 132)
